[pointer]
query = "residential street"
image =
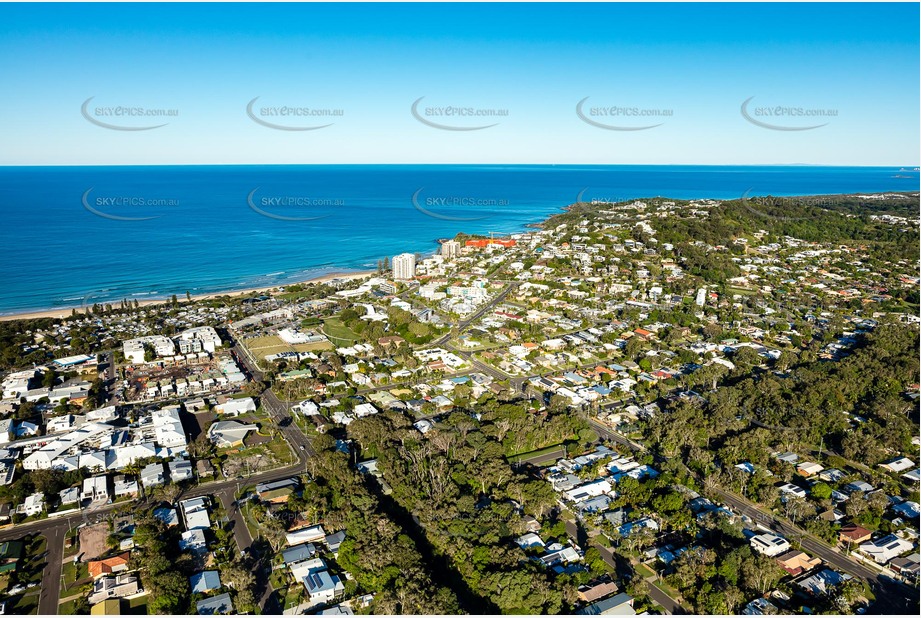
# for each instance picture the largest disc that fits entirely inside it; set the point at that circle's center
(892, 595)
(51, 578)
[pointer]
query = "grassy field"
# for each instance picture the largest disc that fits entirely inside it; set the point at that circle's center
(312, 347)
(260, 347)
(72, 574)
(73, 549)
(23, 605)
(338, 332)
(557, 448)
(277, 448)
(280, 449)
(67, 608)
(644, 571)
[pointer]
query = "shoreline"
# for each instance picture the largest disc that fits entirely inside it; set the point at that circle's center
(65, 312)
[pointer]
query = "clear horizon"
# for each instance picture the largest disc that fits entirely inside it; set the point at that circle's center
(481, 84)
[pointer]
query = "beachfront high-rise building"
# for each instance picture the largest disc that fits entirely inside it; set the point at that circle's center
(450, 249)
(404, 266)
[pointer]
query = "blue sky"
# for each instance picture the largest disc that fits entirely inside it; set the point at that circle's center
(694, 65)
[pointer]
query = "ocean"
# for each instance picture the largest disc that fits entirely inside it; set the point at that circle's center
(81, 235)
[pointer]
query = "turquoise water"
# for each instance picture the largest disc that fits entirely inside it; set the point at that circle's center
(95, 234)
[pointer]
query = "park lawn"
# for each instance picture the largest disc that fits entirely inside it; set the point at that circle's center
(313, 347)
(279, 449)
(260, 347)
(37, 546)
(25, 605)
(260, 343)
(67, 608)
(75, 547)
(251, 524)
(644, 571)
(556, 448)
(338, 332)
(72, 575)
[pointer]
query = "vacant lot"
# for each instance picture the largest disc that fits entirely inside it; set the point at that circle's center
(260, 347)
(312, 347)
(93, 541)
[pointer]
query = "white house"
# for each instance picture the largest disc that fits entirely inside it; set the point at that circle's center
(529, 540)
(322, 586)
(206, 337)
(71, 495)
(6, 426)
(236, 407)
(193, 540)
(95, 488)
(884, 549)
(152, 475)
(769, 544)
(125, 486)
(180, 470)
(195, 513)
(588, 490)
(134, 349)
(306, 535)
(899, 464)
(34, 504)
(168, 427)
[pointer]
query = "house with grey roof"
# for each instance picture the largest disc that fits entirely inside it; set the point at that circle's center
(152, 475)
(205, 581)
(226, 434)
(214, 606)
(180, 470)
(322, 586)
(618, 605)
(298, 553)
(334, 540)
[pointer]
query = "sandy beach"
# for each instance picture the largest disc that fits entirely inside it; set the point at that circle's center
(64, 312)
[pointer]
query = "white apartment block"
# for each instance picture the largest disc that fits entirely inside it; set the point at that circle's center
(404, 266)
(134, 348)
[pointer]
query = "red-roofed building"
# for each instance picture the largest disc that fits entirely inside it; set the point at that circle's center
(115, 564)
(852, 533)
